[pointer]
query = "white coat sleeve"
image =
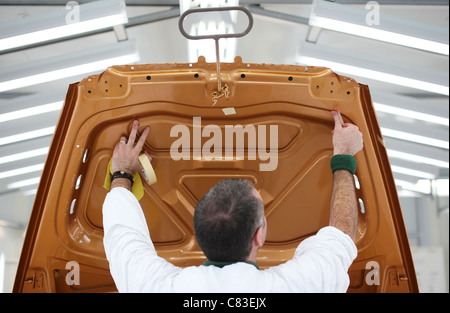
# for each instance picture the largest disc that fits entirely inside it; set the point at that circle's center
(320, 264)
(134, 263)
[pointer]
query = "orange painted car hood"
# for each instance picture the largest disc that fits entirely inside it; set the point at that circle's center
(66, 222)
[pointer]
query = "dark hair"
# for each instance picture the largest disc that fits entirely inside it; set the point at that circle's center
(226, 219)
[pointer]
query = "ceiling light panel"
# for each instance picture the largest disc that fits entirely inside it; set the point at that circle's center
(27, 135)
(71, 20)
(413, 127)
(412, 172)
(420, 167)
(24, 146)
(394, 154)
(23, 183)
(434, 155)
(36, 110)
(76, 63)
(380, 107)
(22, 170)
(424, 110)
(415, 138)
(30, 105)
(23, 155)
(349, 63)
(391, 29)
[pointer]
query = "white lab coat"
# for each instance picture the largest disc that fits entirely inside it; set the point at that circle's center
(320, 262)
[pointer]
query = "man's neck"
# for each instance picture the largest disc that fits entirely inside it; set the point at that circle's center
(225, 263)
(252, 256)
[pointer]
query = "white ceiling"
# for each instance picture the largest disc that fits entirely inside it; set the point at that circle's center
(272, 40)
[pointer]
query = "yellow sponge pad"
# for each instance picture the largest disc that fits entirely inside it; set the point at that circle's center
(138, 188)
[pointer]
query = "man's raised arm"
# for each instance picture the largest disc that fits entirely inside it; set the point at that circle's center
(347, 141)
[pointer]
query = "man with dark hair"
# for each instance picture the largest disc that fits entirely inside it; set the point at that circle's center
(230, 227)
(227, 220)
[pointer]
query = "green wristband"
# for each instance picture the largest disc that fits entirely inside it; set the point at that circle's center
(343, 162)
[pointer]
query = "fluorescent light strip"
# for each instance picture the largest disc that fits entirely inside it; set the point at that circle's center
(204, 48)
(379, 34)
(23, 170)
(411, 114)
(40, 109)
(414, 138)
(66, 72)
(61, 31)
(442, 187)
(416, 158)
(403, 183)
(23, 183)
(421, 186)
(411, 172)
(23, 155)
(28, 135)
(31, 192)
(376, 75)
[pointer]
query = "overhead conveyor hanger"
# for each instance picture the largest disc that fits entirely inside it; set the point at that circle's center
(222, 91)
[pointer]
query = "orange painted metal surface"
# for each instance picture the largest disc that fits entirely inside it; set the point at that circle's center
(66, 221)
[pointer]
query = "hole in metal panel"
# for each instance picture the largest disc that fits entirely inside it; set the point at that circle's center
(77, 185)
(72, 206)
(361, 206)
(356, 182)
(86, 155)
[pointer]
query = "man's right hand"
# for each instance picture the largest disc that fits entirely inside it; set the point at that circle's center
(126, 152)
(347, 139)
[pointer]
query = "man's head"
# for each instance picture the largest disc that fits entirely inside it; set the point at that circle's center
(228, 218)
